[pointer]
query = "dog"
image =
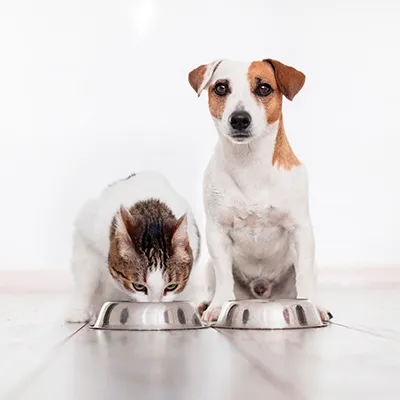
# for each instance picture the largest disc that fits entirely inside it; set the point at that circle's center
(258, 227)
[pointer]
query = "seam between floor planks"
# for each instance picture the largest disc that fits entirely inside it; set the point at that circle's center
(26, 380)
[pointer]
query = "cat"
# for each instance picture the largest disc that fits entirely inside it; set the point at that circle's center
(137, 241)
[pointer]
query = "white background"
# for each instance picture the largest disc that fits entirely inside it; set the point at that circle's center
(92, 90)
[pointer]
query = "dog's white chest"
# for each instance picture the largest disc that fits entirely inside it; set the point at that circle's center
(240, 214)
(246, 222)
(260, 230)
(256, 209)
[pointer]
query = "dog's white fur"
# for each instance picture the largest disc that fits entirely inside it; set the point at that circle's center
(244, 194)
(91, 242)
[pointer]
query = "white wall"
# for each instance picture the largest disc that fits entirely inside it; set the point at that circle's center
(92, 90)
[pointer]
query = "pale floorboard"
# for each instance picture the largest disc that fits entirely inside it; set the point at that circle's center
(357, 357)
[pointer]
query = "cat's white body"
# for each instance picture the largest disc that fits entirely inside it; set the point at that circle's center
(91, 243)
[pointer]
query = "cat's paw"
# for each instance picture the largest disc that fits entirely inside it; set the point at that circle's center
(78, 315)
(325, 315)
(212, 312)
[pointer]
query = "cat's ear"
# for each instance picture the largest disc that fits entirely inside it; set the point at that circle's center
(124, 230)
(180, 236)
(124, 222)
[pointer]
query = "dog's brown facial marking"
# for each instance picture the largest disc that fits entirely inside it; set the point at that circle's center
(283, 156)
(268, 81)
(217, 96)
(265, 89)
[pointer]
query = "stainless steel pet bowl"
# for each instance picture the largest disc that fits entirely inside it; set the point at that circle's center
(269, 314)
(131, 316)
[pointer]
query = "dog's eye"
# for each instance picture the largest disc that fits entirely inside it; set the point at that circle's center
(264, 89)
(171, 287)
(139, 287)
(221, 89)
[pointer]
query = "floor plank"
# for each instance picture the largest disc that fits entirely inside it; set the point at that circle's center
(325, 363)
(32, 327)
(358, 356)
(188, 365)
(373, 309)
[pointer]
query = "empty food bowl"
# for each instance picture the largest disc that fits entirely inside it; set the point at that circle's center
(127, 315)
(269, 314)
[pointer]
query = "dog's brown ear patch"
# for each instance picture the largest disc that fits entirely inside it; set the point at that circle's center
(289, 80)
(196, 77)
(200, 77)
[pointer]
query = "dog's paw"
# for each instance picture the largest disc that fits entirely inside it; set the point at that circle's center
(325, 315)
(78, 315)
(211, 314)
(203, 307)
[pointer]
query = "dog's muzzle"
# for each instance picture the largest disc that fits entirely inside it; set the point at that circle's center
(240, 121)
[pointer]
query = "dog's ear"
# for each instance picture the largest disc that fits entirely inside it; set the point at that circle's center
(200, 77)
(289, 79)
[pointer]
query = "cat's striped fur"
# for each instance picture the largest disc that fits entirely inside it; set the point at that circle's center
(150, 234)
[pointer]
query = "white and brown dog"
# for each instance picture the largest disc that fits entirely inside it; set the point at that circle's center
(259, 233)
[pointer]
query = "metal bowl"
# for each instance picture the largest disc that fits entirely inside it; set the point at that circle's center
(269, 314)
(129, 316)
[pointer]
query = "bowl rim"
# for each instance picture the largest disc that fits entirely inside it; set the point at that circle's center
(97, 324)
(323, 325)
(190, 328)
(149, 302)
(219, 324)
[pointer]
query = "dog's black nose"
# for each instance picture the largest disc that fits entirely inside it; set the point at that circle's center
(240, 120)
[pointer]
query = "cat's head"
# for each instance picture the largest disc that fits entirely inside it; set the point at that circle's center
(150, 259)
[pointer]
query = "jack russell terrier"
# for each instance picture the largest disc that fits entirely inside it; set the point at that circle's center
(258, 227)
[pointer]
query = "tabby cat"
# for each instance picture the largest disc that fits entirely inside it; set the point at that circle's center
(137, 241)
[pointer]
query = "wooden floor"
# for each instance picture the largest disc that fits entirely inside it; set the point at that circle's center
(356, 357)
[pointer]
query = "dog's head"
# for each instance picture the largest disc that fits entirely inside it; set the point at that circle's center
(245, 99)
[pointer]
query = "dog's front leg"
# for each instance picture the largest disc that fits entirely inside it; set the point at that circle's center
(305, 274)
(306, 284)
(220, 249)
